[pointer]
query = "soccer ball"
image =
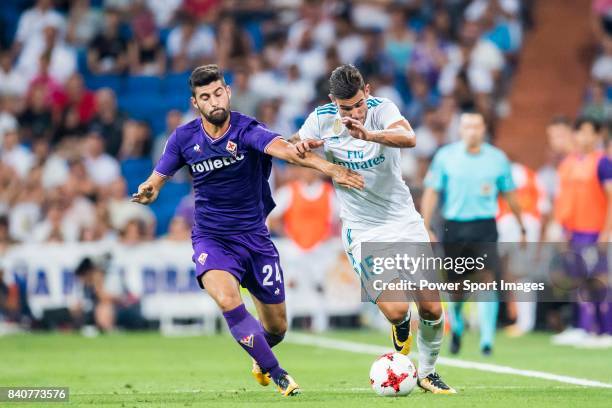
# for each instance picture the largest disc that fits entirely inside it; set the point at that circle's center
(393, 374)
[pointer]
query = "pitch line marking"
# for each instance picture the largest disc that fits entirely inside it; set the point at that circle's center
(343, 345)
(314, 390)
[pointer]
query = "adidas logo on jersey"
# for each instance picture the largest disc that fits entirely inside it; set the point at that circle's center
(362, 165)
(212, 164)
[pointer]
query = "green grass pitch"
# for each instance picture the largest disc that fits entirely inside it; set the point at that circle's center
(147, 370)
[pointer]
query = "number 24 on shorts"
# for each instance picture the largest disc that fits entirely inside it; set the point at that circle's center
(268, 271)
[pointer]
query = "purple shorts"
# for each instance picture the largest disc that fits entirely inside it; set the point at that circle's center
(252, 258)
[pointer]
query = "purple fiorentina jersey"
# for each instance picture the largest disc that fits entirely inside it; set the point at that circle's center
(230, 174)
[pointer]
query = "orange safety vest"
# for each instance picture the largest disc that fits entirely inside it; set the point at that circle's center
(527, 194)
(581, 205)
(308, 222)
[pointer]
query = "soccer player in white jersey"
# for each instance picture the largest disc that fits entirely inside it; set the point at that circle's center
(365, 133)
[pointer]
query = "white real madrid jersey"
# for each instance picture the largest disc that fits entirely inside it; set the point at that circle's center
(386, 198)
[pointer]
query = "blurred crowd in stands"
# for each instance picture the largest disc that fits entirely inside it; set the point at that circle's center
(598, 101)
(89, 90)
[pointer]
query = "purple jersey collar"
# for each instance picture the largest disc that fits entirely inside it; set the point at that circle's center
(210, 139)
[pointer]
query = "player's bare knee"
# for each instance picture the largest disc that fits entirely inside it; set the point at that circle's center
(275, 324)
(395, 312)
(228, 301)
(282, 326)
(430, 310)
(279, 328)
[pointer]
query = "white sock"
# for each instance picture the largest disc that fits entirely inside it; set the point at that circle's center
(429, 341)
(526, 317)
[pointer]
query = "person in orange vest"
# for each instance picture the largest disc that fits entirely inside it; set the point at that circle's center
(583, 208)
(559, 133)
(306, 214)
(532, 198)
(306, 210)
(535, 206)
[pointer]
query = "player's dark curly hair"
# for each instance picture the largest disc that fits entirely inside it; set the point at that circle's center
(345, 81)
(204, 75)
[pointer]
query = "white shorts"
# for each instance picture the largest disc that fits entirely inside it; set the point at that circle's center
(412, 231)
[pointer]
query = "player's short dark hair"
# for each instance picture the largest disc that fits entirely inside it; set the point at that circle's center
(85, 266)
(588, 120)
(471, 109)
(345, 81)
(560, 120)
(204, 75)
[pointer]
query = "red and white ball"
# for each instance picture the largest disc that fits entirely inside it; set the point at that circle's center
(393, 374)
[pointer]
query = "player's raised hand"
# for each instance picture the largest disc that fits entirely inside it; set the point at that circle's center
(303, 146)
(347, 178)
(356, 128)
(146, 194)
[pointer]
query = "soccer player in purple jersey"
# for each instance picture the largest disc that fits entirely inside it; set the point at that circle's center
(229, 158)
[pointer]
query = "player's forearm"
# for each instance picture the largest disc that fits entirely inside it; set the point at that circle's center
(394, 137)
(428, 204)
(546, 217)
(149, 189)
(156, 180)
(283, 150)
(313, 161)
(515, 208)
(342, 176)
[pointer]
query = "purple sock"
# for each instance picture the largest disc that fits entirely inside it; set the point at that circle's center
(607, 313)
(586, 316)
(273, 339)
(250, 335)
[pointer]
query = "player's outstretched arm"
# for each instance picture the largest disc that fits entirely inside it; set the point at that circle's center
(397, 134)
(304, 146)
(343, 176)
(149, 190)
